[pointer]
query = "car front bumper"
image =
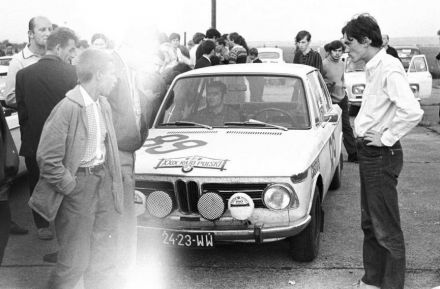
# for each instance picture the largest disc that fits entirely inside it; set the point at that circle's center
(254, 232)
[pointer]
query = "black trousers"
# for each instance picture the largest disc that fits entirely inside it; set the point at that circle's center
(384, 246)
(33, 176)
(347, 131)
(5, 222)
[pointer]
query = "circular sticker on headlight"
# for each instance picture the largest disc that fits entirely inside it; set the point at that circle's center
(241, 206)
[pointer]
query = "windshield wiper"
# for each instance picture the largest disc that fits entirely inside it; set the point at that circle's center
(187, 123)
(253, 122)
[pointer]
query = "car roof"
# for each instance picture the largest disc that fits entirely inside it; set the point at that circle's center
(269, 49)
(252, 68)
(406, 47)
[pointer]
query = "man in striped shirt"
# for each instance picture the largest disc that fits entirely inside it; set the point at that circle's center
(304, 54)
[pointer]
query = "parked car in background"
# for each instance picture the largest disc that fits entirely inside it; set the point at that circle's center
(14, 128)
(406, 53)
(4, 60)
(417, 72)
(11, 114)
(258, 170)
(4, 64)
(271, 54)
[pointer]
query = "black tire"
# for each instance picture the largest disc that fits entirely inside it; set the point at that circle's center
(337, 177)
(353, 110)
(304, 247)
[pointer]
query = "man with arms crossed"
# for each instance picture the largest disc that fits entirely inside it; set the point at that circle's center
(333, 74)
(80, 184)
(389, 110)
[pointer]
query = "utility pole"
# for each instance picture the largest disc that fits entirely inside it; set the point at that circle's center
(213, 13)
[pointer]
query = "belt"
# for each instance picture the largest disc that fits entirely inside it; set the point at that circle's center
(91, 170)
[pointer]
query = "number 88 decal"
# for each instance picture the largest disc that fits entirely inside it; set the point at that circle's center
(171, 143)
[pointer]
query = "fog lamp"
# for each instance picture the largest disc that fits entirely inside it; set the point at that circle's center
(139, 202)
(160, 204)
(211, 206)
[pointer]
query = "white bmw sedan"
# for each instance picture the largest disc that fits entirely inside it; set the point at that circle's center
(241, 153)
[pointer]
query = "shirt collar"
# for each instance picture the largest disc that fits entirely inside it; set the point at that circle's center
(86, 96)
(27, 53)
(207, 58)
(374, 62)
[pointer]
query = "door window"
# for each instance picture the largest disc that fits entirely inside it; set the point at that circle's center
(418, 65)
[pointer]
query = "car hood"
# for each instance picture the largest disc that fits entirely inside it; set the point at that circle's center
(227, 152)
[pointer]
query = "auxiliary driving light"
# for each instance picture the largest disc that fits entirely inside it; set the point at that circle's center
(211, 206)
(241, 206)
(139, 203)
(277, 197)
(159, 204)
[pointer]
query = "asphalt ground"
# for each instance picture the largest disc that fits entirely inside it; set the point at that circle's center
(338, 266)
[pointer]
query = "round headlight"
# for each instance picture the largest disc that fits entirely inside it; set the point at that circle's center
(358, 88)
(277, 197)
(159, 204)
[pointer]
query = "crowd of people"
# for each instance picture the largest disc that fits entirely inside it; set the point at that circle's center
(84, 112)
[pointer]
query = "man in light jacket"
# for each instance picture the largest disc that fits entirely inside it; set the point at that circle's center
(80, 184)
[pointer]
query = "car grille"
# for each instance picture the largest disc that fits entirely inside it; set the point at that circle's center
(186, 194)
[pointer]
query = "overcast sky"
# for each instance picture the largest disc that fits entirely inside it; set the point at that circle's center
(269, 20)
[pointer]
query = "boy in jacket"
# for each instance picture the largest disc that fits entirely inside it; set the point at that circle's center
(80, 182)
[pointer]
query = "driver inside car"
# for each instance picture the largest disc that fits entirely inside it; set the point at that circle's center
(216, 113)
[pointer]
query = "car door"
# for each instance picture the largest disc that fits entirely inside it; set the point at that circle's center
(324, 130)
(418, 74)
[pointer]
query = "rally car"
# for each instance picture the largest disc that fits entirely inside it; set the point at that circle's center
(236, 157)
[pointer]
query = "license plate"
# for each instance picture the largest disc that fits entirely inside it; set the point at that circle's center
(177, 239)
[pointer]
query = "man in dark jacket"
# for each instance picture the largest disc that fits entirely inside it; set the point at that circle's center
(39, 87)
(208, 50)
(389, 49)
(304, 53)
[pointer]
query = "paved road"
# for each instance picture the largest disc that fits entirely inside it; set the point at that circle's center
(339, 264)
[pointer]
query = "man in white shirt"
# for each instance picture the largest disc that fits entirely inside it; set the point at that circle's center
(39, 29)
(389, 111)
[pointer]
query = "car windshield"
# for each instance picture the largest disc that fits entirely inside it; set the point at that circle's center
(405, 55)
(233, 101)
(269, 55)
(354, 66)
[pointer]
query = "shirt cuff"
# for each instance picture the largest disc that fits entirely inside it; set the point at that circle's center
(388, 139)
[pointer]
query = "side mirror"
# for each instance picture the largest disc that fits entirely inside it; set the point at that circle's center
(331, 117)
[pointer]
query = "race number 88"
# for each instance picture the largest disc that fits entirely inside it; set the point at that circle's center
(171, 143)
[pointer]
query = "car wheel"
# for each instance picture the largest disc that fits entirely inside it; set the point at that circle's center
(304, 247)
(353, 110)
(336, 181)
